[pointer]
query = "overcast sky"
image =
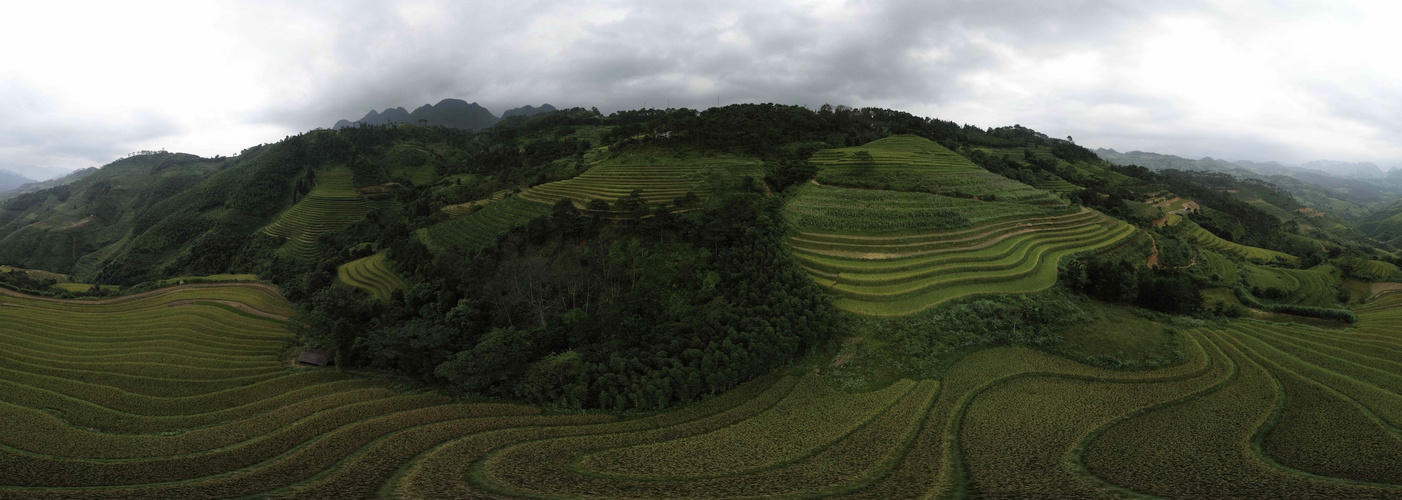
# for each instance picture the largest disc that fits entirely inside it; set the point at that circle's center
(84, 83)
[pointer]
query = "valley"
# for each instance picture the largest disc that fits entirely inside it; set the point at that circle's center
(755, 301)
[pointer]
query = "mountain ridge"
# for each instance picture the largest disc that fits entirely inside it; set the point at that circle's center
(452, 113)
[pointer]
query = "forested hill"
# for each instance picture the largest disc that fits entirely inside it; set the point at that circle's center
(452, 113)
(647, 258)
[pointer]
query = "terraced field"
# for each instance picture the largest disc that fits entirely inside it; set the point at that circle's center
(462, 209)
(1375, 270)
(1003, 423)
(1211, 241)
(1220, 266)
(661, 178)
(180, 393)
(373, 275)
(913, 163)
(334, 203)
(903, 272)
(1317, 286)
(1056, 184)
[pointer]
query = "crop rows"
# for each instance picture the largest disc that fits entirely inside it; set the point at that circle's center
(1373, 269)
(1314, 287)
(332, 204)
(180, 393)
(462, 209)
(1219, 265)
(913, 163)
(483, 227)
(373, 275)
(661, 179)
(1210, 241)
(905, 273)
(165, 395)
(830, 209)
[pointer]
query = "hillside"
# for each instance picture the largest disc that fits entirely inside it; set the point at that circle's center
(42, 185)
(452, 113)
(11, 180)
(183, 414)
(743, 302)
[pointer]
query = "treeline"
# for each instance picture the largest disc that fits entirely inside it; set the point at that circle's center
(763, 129)
(578, 310)
(1117, 280)
(1249, 300)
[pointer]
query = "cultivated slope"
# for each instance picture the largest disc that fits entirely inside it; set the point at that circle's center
(659, 176)
(179, 393)
(332, 204)
(373, 275)
(913, 163)
(901, 250)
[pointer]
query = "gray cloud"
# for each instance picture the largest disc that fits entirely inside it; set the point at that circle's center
(38, 129)
(1065, 67)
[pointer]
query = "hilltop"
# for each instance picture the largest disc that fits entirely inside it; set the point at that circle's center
(452, 113)
(865, 301)
(11, 180)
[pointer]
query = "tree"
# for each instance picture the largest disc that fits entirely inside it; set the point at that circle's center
(865, 163)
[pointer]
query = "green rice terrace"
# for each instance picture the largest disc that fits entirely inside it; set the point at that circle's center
(912, 163)
(660, 177)
(1210, 241)
(373, 275)
(332, 204)
(888, 253)
(183, 393)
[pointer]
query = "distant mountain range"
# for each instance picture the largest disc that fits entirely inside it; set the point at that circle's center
(33, 172)
(455, 113)
(10, 180)
(32, 186)
(1338, 169)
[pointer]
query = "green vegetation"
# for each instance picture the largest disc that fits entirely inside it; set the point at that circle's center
(333, 203)
(829, 209)
(662, 311)
(895, 274)
(373, 275)
(658, 179)
(912, 163)
(1213, 242)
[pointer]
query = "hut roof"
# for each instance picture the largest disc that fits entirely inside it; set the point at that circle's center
(318, 357)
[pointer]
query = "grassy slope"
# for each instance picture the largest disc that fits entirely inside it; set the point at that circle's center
(98, 213)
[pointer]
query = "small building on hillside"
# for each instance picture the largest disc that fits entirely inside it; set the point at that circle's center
(316, 357)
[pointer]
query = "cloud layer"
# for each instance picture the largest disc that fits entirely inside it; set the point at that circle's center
(1256, 80)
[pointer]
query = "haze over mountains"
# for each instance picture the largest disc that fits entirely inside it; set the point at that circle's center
(453, 113)
(1341, 169)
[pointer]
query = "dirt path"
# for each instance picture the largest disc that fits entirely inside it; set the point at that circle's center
(236, 305)
(1153, 254)
(1384, 289)
(266, 288)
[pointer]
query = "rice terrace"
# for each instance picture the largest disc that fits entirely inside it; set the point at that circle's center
(738, 294)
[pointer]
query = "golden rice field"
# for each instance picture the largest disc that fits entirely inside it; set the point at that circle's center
(182, 393)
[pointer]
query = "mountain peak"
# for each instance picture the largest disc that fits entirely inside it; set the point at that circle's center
(454, 113)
